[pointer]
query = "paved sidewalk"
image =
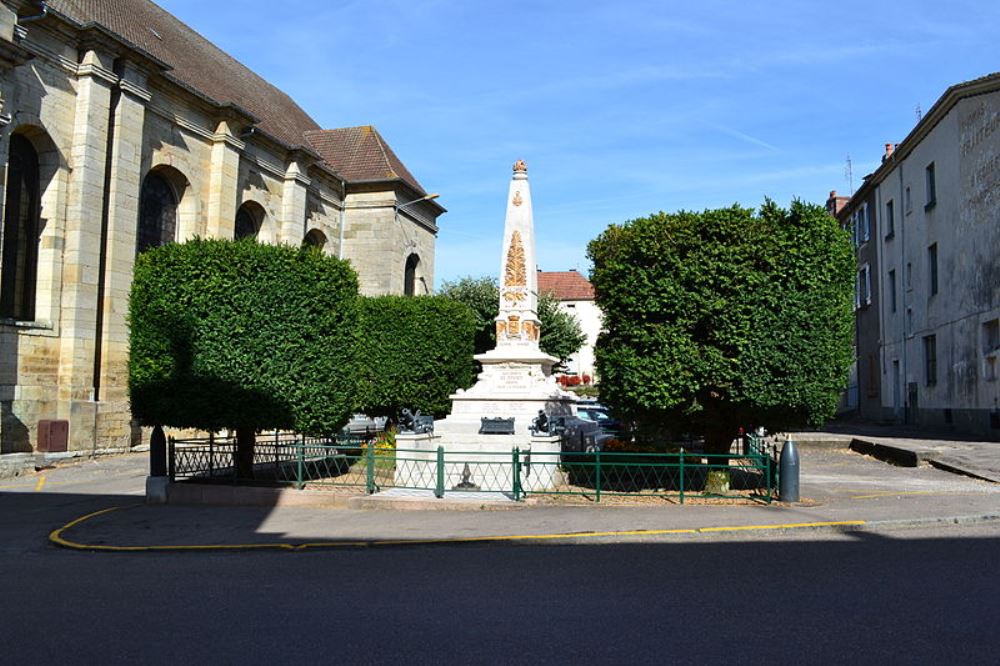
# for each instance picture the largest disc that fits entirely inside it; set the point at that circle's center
(838, 486)
(913, 446)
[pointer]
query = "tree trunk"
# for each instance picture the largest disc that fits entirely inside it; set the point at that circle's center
(246, 438)
(719, 435)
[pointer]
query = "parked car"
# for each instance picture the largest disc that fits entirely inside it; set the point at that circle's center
(598, 413)
(364, 425)
(578, 435)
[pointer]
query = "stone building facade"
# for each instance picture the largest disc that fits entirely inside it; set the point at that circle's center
(937, 254)
(576, 296)
(860, 216)
(123, 129)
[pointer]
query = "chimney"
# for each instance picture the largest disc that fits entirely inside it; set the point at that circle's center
(835, 203)
(889, 149)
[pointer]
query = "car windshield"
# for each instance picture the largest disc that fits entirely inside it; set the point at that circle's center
(593, 414)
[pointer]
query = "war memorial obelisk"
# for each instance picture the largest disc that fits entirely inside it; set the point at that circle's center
(516, 381)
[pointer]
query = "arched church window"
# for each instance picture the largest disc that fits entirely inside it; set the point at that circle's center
(247, 222)
(20, 232)
(157, 213)
(314, 238)
(410, 275)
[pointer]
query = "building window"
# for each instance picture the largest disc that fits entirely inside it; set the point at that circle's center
(991, 349)
(909, 276)
(991, 336)
(931, 186)
(20, 232)
(248, 220)
(861, 225)
(157, 213)
(907, 200)
(932, 267)
(892, 289)
(315, 238)
(890, 220)
(410, 275)
(930, 360)
(872, 376)
(863, 292)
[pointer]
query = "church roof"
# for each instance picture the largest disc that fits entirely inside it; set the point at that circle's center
(360, 154)
(195, 62)
(355, 153)
(565, 285)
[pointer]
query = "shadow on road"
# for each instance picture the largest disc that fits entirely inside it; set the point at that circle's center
(899, 598)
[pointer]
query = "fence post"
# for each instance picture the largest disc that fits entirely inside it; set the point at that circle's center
(300, 466)
(766, 461)
(682, 475)
(516, 453)
(439, 486)
(370, 467)
(171, 458)
(597, 484)
(775, 470)
(211, 454)
(277, 455)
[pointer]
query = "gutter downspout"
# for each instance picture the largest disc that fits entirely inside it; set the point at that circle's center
(343, 207)
(907, 205)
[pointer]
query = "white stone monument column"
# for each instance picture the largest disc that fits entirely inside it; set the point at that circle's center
(518, 327)
(516, 380)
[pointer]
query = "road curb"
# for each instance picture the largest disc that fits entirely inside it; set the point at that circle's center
(886, 453)
(968, 519)
(56, 537)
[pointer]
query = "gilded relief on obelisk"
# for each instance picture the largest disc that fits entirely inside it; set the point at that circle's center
(515, 272)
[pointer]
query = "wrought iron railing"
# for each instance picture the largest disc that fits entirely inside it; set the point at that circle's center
(372, 466)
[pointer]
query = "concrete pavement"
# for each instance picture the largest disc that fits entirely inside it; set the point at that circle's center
(912, 446)
(841, 489)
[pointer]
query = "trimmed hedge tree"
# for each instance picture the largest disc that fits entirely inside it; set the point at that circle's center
(414, 352)
(242, 335)
(724, 318)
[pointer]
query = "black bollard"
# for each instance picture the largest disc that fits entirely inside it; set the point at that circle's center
(789, 472)
(158, 453)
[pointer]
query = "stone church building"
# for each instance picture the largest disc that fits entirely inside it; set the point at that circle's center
(121, 128)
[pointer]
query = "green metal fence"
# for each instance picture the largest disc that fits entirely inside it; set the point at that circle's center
(366, 467)
(278, 457)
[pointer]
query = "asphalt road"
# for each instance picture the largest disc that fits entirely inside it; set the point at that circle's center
(906, 596)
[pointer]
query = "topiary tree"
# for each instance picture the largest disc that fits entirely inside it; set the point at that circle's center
(241, 335)
(561, 333)
(413, 352)
(724, 318)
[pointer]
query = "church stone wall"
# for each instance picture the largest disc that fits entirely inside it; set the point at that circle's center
(65, 100)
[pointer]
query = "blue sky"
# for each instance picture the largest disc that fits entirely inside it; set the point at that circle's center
(620, 109)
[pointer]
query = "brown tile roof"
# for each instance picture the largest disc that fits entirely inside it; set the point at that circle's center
(565, 285)
(355, 153)
(360, 154)
(195, 61)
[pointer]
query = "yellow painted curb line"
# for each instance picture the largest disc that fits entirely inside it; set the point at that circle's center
(785, 526)
(56, 537)
(889, 493)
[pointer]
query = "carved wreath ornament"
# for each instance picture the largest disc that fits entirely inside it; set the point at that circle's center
(515, 273)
